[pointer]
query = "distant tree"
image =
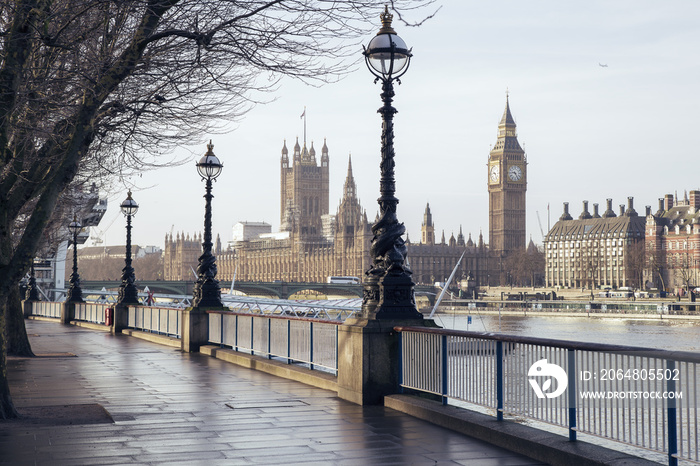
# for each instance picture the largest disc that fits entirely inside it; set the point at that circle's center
(526, 266)
(656, 265)
(107, 87)
(684, 269)
(148, 267)
(635, 264)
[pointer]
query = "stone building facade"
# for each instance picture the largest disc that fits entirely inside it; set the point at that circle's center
(593, 250)
(313, 244)
(673, 243)
(433, 262)
(507, 185)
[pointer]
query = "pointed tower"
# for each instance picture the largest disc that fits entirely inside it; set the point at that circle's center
(507, 185)
(352, 238)
(303, 191)
(427, 230)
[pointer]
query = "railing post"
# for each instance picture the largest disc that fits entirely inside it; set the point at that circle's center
(252, 335)
(671, 415)
(311, 345)
(221, 330)
(400, 368)
(269, 338)
(235, 333)
(289, 341)
(499, 380)
(571, 366)
(443, 364)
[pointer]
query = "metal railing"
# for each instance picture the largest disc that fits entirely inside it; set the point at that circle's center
(46, 309)
(161, 320)
(90, 312)
(642, 397)
(312, 342)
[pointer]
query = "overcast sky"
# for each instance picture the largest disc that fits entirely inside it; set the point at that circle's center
(590, 132)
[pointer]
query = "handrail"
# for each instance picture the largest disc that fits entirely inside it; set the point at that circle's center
(686, 356)
(272, 316)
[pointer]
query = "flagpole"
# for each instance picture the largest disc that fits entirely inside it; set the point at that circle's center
(304, 125)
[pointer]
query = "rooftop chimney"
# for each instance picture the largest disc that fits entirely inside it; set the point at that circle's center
(584, 215)
(695, 199)
(595, 211)
(565, 215)
(622, 210)
(630, 207)
(668, 201)
(648, 208)
(609, 212)
(660, 212)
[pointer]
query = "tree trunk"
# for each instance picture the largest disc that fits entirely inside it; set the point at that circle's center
(17, 340)
(7, 408)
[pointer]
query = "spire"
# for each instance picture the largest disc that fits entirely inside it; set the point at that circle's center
(324, 154)
(312, 153)
(507, 136)
(427, 216)
(297, 151)
(305, 154)
(507, 118)
(470, 242)
(285, 157)
(460, 237)
(349, 188)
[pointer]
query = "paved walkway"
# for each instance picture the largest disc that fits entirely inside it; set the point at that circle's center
(166, 407)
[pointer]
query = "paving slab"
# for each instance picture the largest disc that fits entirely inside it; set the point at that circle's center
(96, 398)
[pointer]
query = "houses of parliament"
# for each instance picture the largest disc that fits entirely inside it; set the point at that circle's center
(313, 244)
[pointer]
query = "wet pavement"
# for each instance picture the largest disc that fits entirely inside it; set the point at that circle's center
(121, 400)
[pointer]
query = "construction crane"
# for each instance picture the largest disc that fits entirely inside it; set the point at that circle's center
(540, 223)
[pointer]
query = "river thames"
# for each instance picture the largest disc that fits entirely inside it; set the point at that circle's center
(678, 335)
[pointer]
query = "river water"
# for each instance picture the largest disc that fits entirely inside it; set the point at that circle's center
(678, 335)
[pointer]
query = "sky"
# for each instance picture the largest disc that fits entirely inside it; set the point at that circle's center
(590, 132)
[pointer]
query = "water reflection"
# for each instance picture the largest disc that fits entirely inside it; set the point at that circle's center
(654, 333)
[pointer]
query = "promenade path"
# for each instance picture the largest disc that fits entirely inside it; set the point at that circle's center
(121, 400)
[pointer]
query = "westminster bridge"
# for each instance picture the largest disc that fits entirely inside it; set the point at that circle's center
(278, 289)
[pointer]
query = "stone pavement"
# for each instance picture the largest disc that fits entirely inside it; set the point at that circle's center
(121, 400)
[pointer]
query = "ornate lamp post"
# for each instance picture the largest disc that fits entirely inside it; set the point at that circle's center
(128, 294)
(206, 291)
(32, 293)
(388, 287)
(75, 294)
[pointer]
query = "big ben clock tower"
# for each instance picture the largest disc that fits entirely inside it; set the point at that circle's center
(507, 182)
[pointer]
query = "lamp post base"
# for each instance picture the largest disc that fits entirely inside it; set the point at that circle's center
(397, 300)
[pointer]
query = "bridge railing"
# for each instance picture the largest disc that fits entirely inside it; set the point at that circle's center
(310, 342)
(46, 309)
(161, 320)
(641, 397)
(90, 312)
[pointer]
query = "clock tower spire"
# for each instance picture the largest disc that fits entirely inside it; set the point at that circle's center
(507, 185)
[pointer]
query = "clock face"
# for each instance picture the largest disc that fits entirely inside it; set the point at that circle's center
(494, 173)
(515, 173)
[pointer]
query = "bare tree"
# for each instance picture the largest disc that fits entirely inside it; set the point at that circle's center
(656, 265)
(684, 269)
(635, 264)
(108, 87)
